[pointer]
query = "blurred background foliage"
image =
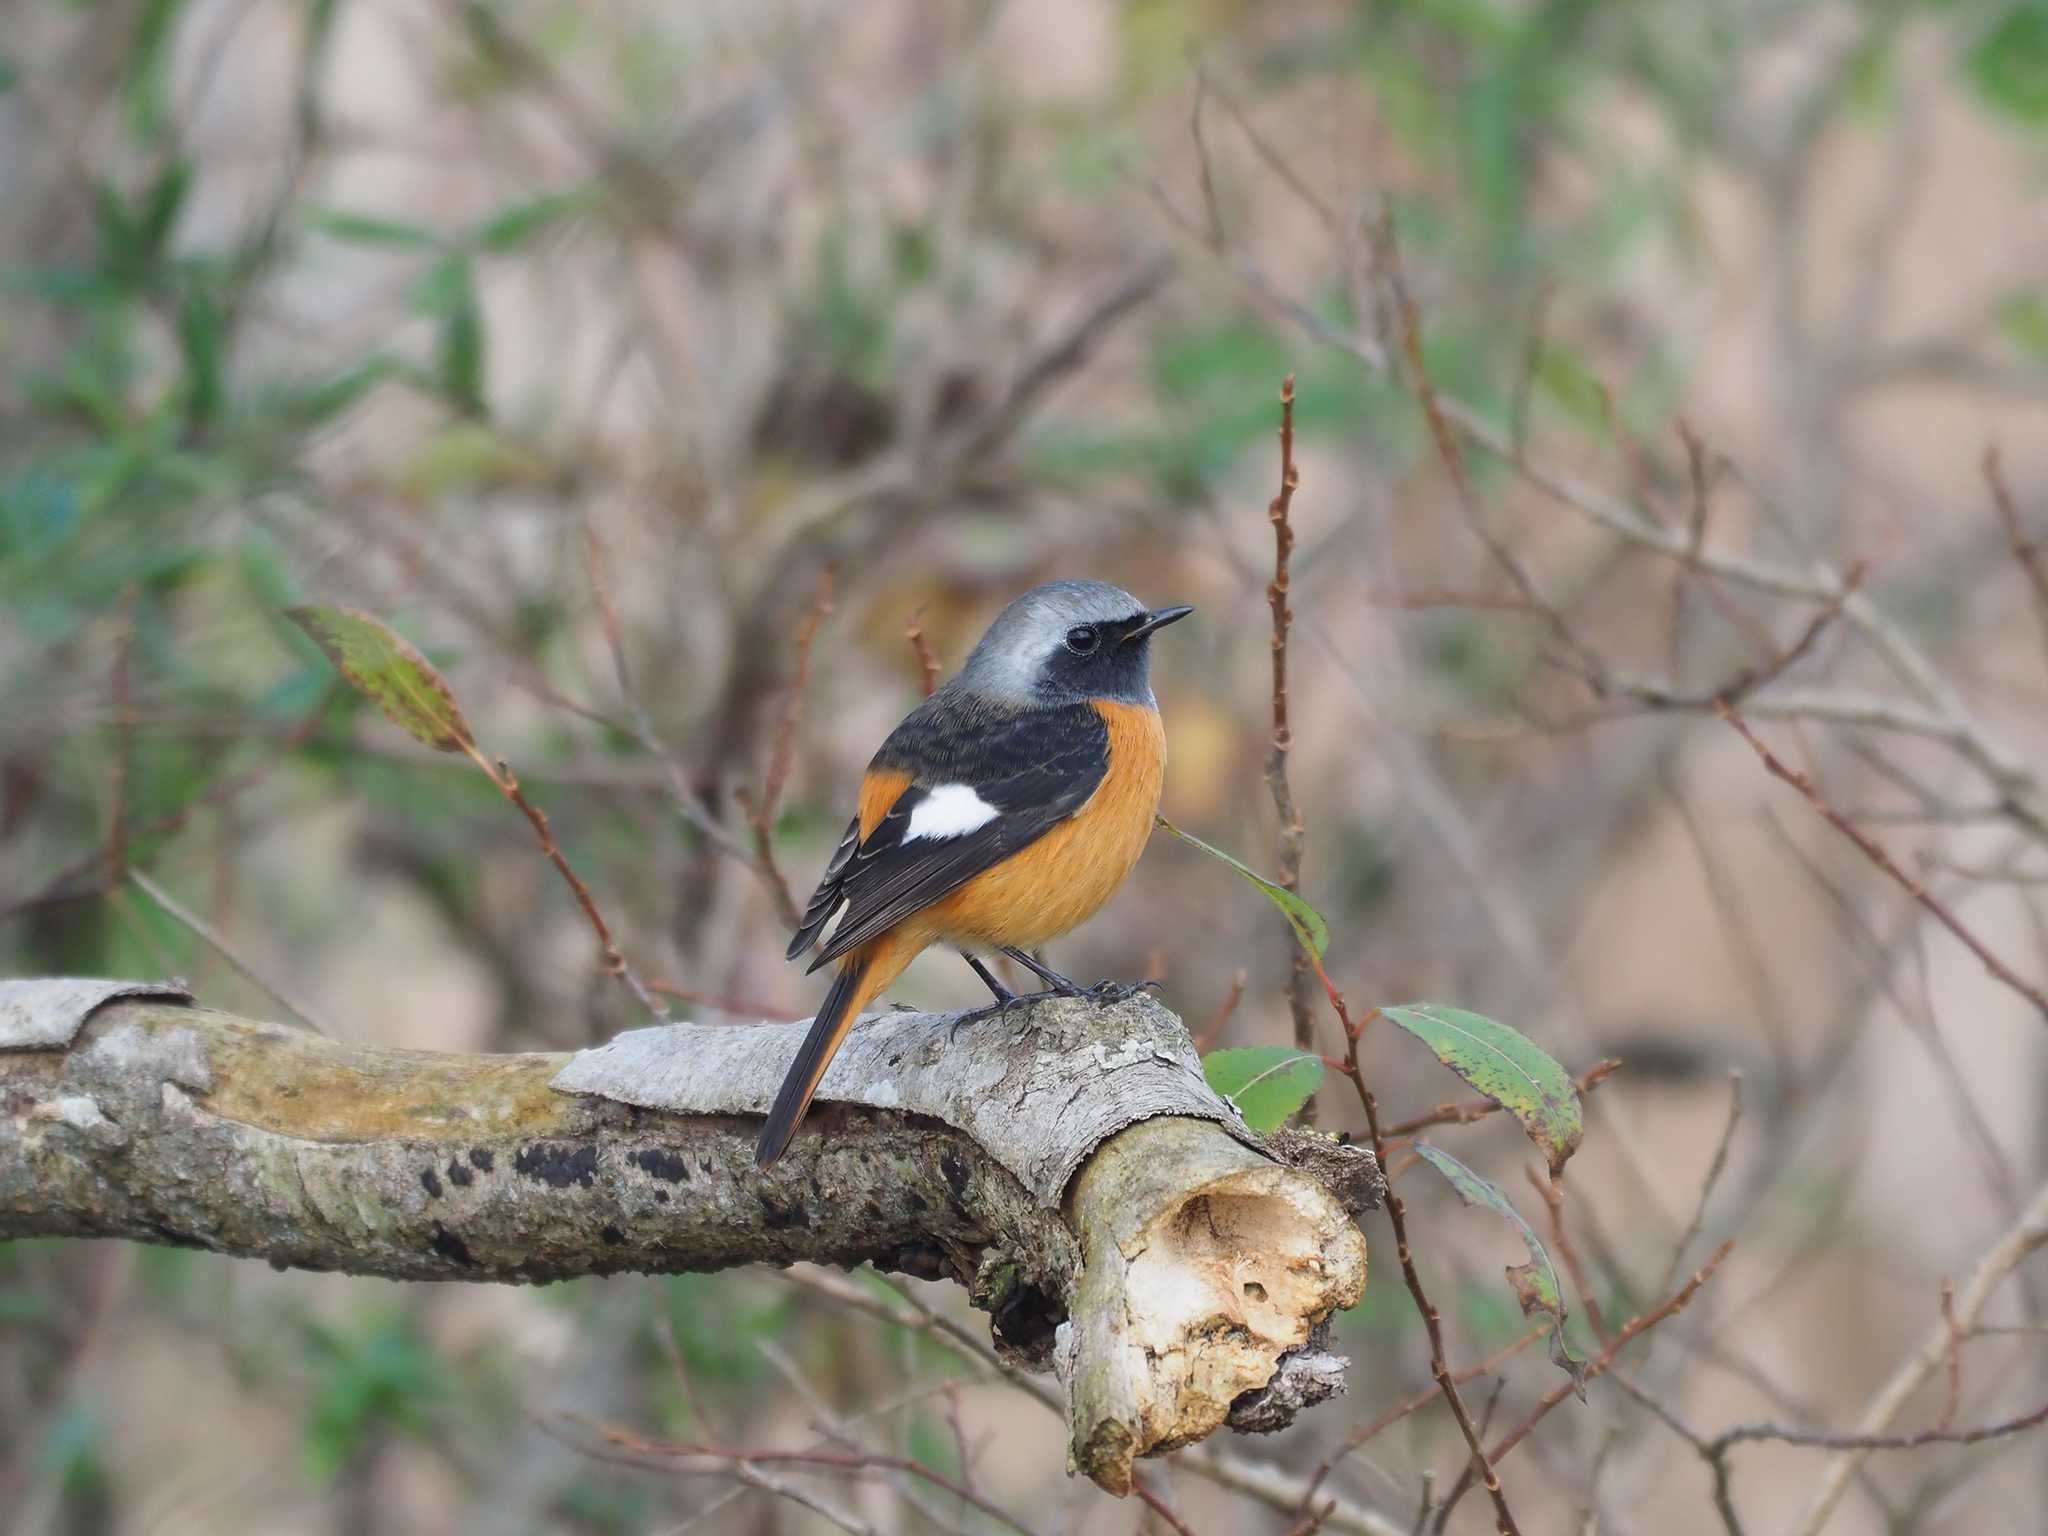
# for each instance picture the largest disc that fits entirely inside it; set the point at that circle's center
(404, 303)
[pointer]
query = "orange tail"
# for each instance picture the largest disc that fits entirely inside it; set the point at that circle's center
(842, 1004)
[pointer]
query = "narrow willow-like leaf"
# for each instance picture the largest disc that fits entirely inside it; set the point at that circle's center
(1535, 1283)
(1267, 1083)
(387, 671)
(1305, 920)
(1506, 1067)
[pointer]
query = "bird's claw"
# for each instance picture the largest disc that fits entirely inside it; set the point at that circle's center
(1122, 991)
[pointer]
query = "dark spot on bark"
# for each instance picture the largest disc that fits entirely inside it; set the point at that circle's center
(661, 1197)
(483, 1159)
(178, 1239)
(872, 1211)
(954, 1167)
(776, 1217)
(450, 1247)
(458, 1173)
(430, 1181)
(557, 1166)
(662, 1163)
(1027, 1319)
(922, 1261)
(612, 1235)
(917, 1201)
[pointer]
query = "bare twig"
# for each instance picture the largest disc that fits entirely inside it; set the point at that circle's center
(855, 1461)
(1292, 829)
(1714, 1169)
(1397, 1216)
(1211, 1032)
(500, 774)
(1464, 1112)
(1599, 1365)
(2024, 1236)
(218, 942)
(761, 809)
(2026, 549)
(1876, 854)
(124, 739)
(1551, 1191)
(738, 1007)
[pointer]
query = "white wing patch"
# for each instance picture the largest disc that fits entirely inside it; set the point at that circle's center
(951, 810)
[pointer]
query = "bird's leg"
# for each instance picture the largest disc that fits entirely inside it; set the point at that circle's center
(1060, 985)
(1004, 996)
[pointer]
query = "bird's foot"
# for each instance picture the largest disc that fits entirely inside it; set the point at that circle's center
(1008, 1003)
(1108, 992)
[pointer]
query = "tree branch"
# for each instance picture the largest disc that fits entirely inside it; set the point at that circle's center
(1070, 1167)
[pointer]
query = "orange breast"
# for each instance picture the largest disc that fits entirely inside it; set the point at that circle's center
(1062, 879)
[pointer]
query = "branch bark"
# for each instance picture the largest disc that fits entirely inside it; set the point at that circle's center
(1068, 1166)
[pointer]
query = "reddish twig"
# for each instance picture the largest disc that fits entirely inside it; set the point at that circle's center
(1876, 854)
(1144, 1490)
(1292, 828)
(1599, 1365)
(1397, 1216)
(2025, 549)
(501, 775)
(1464, 1112)
(1714, 1170)
(921, 648)
(1209, 1033)
(761, 809)
(1551, 1190)
(1413, 1403)
(817, 1456)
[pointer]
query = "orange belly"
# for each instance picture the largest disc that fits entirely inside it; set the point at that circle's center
(1063, 879)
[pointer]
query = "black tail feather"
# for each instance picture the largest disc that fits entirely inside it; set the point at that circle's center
(827, 1030)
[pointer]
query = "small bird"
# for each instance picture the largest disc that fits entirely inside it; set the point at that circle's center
(1002, 812)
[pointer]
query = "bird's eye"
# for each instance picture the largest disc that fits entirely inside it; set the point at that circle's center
(1082, 639)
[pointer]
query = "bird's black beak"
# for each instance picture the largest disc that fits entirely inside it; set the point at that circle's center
(1158, 618)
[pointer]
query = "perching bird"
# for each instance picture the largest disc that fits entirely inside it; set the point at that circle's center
(1001, 813)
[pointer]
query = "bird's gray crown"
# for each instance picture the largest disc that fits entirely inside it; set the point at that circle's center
(1011, 661)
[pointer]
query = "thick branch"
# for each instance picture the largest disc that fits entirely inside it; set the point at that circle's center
(1001, 1160)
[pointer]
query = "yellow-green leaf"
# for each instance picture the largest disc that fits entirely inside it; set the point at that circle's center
(389, 672)
(1305, 920)
(1535, 1283)
(1504, 1066)
(1267, 1083)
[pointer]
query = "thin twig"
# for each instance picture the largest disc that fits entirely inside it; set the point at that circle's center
(1464, 1112)
(738, 1007)
(2026, 550)
(1884, 862)
(1292, 829)
(217, 941)
(1414, 1402)
(1551, 1191)
(1714, 1170)
(1432, 1320)
(500, 774)
(761, 809)
(1211, 1032)
(1599, 1365)
(817, 1457)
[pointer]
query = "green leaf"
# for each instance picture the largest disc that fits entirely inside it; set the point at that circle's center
(2010, 66)
(511, 227)
(387, 671)
(1305, 920)
(1535, 1283)
(2024, 319)
(368, 229)
(449, 290)
(1504, 1066)
(201, 338)
(1267, 1083)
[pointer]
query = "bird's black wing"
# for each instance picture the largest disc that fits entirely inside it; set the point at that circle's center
(1015, 774)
